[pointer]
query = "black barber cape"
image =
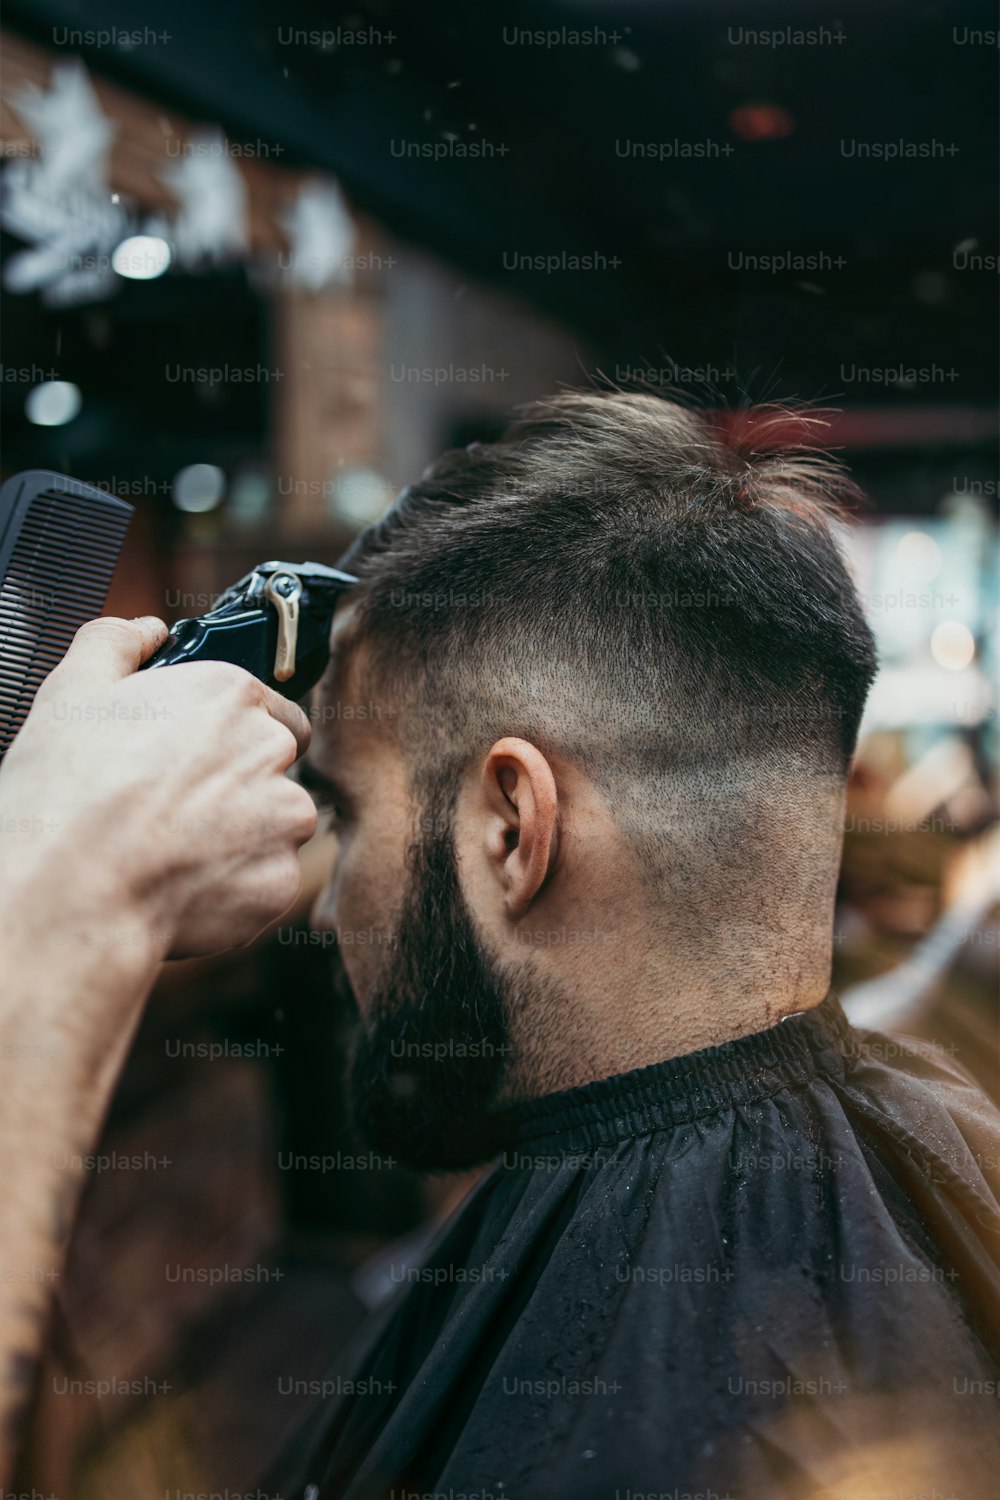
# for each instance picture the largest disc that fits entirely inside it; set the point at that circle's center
(767, 1269)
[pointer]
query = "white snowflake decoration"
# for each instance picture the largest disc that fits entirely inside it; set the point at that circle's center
(60, 201)
(321, 233)
(212, 222)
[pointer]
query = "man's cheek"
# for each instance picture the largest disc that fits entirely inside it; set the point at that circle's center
(365, 936)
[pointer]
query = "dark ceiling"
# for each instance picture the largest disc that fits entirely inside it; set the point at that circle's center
(569, 181)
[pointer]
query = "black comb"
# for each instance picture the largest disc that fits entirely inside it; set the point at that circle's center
(59, 543)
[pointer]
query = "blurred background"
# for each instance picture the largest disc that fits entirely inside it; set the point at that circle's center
(261, 263)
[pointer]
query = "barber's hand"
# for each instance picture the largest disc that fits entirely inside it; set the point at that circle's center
(159, 798)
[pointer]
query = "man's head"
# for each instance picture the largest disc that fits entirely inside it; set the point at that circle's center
(593, 706)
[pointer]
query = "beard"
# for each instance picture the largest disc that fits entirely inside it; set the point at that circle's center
(432, 1054)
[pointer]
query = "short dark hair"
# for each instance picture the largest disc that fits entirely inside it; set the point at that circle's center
(627, 581)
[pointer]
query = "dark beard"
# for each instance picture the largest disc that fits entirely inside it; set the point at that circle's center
(433, 1052)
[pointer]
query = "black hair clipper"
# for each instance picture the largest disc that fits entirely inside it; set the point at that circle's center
(275, 622)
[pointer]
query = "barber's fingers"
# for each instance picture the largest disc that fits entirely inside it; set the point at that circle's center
(291, 716)
(109, 648)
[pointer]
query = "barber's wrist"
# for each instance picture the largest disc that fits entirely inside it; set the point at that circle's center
(86, 863)
(64, 1038)
(75, 934)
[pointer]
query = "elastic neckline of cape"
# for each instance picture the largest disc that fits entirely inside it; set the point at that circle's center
(679, 1090)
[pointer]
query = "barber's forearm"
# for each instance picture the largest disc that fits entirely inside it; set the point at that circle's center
(69, 1004)
(125, 802)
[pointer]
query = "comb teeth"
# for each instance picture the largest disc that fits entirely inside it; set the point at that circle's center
(57, 578)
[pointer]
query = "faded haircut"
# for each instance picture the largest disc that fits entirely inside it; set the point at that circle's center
(631, 584)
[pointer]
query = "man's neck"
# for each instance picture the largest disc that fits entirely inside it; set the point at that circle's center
(610, 1015)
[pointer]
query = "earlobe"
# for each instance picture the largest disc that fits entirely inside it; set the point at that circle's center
(521, 790)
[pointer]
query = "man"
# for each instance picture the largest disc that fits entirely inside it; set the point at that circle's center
(585, 737)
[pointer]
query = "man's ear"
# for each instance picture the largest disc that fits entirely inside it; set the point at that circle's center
(522, 805)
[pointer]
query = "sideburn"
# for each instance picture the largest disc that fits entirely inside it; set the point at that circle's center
(429, 1064)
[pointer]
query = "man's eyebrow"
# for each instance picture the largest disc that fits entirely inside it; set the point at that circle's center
(320, 783)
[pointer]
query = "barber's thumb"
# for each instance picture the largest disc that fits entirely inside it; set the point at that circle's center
(111, 648)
